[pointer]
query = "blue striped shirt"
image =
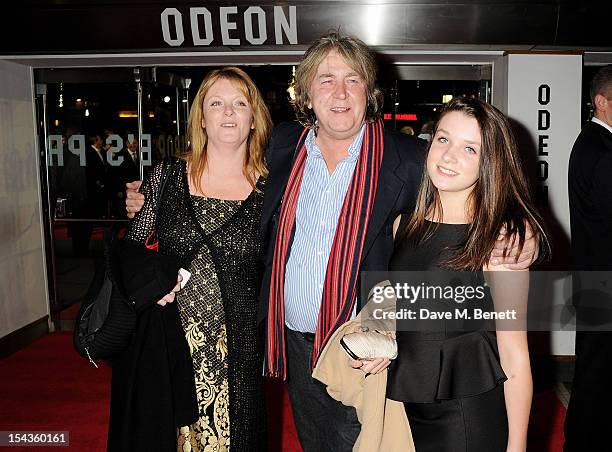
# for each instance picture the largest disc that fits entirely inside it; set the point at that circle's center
(318, 208)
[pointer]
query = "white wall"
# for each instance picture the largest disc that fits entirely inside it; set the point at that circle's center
(23, 281)
(517, 79)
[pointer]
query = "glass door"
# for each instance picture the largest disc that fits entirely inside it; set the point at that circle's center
(92, 132)
(414, 95)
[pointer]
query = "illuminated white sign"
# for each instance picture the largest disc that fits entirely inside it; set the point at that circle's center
(253, 26)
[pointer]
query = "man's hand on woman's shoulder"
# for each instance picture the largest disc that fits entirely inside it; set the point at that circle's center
(134, 200)
(528, 254)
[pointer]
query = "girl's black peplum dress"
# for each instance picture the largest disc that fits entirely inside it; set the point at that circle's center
(451, 382)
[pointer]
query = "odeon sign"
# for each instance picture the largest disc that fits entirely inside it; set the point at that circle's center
(254, 26)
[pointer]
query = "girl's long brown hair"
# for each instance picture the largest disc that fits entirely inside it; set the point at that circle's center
(258, 138)
(500, 198)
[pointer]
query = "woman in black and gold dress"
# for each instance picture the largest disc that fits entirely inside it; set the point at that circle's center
(208, 216)
(468, 390)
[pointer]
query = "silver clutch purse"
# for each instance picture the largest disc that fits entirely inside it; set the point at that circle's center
(369, 345)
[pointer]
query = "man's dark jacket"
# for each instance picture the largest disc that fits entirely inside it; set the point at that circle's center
(96, 172)
(590, 198)
(398, 183)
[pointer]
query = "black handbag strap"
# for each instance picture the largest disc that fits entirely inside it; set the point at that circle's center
(166, 168)
(110, 235)
(165, 176)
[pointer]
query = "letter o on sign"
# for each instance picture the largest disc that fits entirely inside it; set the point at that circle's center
(543, 94)
(261, 25)
(178, 24)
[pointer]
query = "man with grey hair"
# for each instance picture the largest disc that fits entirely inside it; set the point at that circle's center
(337, 181)
(590, 199)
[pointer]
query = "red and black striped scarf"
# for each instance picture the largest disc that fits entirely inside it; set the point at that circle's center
(340, 287)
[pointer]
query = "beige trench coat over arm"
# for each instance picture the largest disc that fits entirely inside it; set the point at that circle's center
(384, 425)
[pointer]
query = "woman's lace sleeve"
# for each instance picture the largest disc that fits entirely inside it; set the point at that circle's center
(144, 222)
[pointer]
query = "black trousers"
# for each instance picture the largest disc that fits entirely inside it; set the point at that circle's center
(587, 423)
(467, 424)
(322, 423)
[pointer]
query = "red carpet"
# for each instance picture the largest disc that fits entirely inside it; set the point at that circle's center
(71, 312)
(48, 387)
(546, 423)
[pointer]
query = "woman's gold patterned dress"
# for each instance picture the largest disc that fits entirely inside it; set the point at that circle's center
(205, 314)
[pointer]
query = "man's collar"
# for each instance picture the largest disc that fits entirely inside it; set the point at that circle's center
(601, 123)
(311, 145)
(313, 149)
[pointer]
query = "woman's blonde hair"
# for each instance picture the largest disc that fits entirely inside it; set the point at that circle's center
(254, 163)
(356, 54)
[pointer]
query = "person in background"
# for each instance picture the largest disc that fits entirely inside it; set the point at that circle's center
(93, 203)
(96, 170)
(426, 130)
(590, 202)
(407, 130)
